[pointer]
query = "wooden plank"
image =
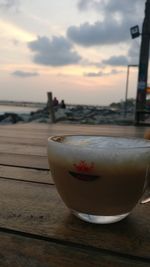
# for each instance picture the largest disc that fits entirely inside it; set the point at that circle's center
(37, 209)
(24, 130)
(38, 146)
(22, 251)
(23, 174)
(44, 127)
(28, 161)
(23, 141)
(23, 149)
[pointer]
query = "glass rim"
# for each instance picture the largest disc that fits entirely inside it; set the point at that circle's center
(55, 139)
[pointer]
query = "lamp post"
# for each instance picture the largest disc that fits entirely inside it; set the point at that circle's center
(143, 66)
(127, 85)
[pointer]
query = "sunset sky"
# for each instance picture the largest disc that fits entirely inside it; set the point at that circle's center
(78, 49)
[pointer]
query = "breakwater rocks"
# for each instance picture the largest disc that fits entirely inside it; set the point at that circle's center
(75, 114)
(9, 118)
(94, 115)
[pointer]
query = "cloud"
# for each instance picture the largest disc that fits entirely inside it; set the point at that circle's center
(121, 60)
(57, 51)
(116, 6)
(116, 61)
(94, 74)
(24, 74)
(101, 73)
(9, 4)
(133, 53)
(117, 17)
(84, 4)
(127, 7)
(107, 32)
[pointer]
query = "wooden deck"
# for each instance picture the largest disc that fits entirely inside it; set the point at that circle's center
(37, 230)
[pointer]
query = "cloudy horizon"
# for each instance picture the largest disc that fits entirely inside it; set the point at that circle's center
(77, 49)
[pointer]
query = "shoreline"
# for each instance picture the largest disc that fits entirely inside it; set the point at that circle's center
(21, 103)
(42, 104)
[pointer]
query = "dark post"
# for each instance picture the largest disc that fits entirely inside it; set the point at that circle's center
(126, 92)
(50, 106)
(143, 66)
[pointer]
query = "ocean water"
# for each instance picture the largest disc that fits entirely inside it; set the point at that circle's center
(16, 109)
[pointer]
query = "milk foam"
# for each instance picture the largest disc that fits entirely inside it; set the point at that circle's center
(98, 142)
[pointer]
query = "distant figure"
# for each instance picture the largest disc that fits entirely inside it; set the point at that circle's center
(55, 102)
(62, 104)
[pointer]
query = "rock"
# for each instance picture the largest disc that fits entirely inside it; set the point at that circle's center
(34, 116)
(75, 114)
(60, 114)
(10, 118)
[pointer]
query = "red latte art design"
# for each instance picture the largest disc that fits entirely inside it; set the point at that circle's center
(82, 171)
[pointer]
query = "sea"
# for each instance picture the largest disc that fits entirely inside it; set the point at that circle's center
(16, 109)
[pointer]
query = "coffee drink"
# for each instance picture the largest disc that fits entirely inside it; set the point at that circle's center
(99, 177)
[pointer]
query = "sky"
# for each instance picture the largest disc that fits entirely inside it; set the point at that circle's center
(79, 50)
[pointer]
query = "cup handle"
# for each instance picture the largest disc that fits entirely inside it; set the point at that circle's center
(146, 197)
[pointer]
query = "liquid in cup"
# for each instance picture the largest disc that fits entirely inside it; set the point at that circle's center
(100, 179)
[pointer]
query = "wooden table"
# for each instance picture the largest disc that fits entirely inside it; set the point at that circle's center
(37, 230)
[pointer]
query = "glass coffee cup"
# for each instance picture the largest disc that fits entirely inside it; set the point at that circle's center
(100, 179)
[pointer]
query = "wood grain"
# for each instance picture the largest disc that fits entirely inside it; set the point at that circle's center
(31, 252)
(25, 174)
(27, 161)
(45, 130)
(37, 209)
(23, 149)
(23, 141)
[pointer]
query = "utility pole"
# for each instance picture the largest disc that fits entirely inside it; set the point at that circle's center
(143, 66)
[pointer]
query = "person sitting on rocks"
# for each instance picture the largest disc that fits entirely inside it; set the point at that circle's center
(55, 102)
(62, 104)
